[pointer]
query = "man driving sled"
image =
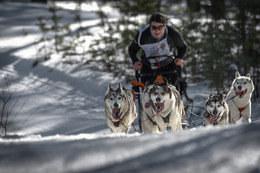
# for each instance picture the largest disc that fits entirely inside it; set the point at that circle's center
(163, 49)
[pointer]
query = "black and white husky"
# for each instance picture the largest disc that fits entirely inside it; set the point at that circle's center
(120, 110)
(162, 108)
(217, 112)
(239, 98)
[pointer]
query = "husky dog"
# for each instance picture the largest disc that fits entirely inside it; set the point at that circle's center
(120, 109)
(239, 98)
(162, 108)
(148, 120)
(217, 112)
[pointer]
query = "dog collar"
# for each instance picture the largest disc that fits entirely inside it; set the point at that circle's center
(116, 123)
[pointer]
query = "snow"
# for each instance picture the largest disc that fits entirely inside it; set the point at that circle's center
(62, 128)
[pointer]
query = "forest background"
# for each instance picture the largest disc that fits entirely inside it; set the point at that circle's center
(222, 36)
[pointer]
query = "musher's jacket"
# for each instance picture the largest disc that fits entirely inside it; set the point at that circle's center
(157, 50)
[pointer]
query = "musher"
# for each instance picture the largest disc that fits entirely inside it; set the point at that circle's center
(163, 49)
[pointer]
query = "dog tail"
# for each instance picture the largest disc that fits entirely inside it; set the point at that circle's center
(182, 110)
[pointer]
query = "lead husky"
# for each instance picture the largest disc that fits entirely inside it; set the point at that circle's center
(120, 109)
(217, 112)
(239, 98)
(162, 108)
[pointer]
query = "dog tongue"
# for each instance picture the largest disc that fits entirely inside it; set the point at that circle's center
(160, 107)
(212, 119)
(241, 92)
(115, 113)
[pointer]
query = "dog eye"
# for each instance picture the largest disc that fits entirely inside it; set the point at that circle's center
(244, 82)
(119, 98)
(163, 93)
(111, 98)
(155, 93)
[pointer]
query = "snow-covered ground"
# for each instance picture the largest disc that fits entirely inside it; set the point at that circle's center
(61, 125)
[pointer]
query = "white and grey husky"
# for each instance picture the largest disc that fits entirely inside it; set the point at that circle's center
(239, 98)
(162, 108)
(120, 110)
(217, 112)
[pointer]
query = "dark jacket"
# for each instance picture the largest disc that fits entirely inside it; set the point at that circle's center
(175, 41)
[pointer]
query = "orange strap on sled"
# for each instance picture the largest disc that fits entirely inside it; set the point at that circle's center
(140, 84)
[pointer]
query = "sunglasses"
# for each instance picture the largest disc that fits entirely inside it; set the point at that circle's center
(157, 27)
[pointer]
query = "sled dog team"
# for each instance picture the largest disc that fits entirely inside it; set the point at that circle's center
(162, 109)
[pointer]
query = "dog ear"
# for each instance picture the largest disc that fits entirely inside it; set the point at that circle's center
(172, 90)
(123, 88)
(166, 81)
(147, 83)
(248, 75)
(237, 74)
(210, 96)
(155, 84)
(110, 88)
(120, 88)
(221, 96)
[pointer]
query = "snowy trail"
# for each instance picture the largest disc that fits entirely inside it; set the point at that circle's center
(67, 131)
(214, 149)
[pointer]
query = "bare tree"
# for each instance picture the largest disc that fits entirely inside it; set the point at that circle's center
(11, 107)
(5, 98)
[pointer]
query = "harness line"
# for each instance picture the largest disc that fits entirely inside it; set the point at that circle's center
(126, 126)
(232, 97)
(145, 119)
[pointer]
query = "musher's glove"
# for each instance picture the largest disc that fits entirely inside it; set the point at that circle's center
(178, 61)
(137, 65)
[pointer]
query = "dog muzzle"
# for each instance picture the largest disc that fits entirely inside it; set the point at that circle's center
(213, 118)
(159, 107)
(241, 93)
(116, 113)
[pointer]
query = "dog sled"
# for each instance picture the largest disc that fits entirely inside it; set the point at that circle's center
(181, 86)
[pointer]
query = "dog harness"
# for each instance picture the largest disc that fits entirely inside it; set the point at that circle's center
(167, 118)
(153, 122)
(116, 123)
(241, 110)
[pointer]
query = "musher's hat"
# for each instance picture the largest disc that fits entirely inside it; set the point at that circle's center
(157, 17)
